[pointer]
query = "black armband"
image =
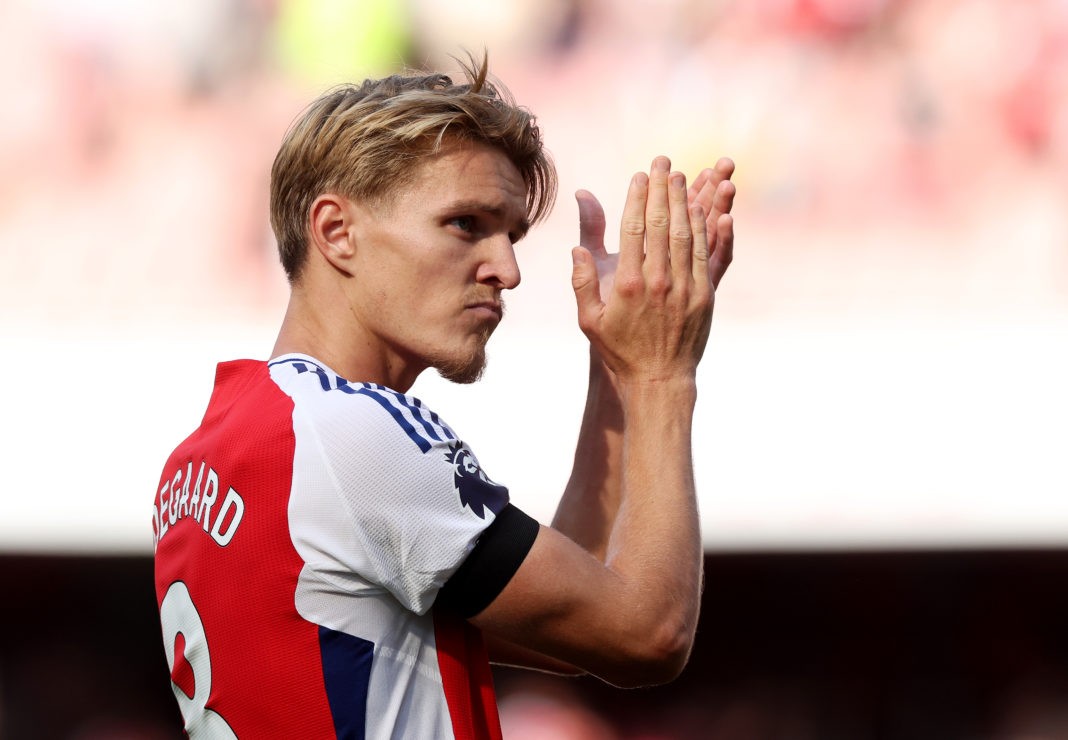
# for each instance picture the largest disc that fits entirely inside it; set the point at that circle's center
(497, 555)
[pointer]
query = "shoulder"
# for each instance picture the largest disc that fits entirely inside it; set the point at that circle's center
(337, 406)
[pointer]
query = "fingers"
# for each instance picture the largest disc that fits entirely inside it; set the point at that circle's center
(723, 255)
(701, 254)
(682, 238)
(716, 196)
(724, 169)
(706, 184)
(653, 319)
(658, 219)
(657, 234)
(585, 283)
(722, 200)
(632, 226)
(591, 223)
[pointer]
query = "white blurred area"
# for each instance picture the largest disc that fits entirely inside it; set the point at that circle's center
(888, 361)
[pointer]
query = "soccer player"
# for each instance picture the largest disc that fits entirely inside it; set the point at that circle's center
(331, 558)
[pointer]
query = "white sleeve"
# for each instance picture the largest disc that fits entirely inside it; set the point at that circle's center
(413, 496)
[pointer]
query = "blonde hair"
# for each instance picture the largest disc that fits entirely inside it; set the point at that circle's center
(367, 141)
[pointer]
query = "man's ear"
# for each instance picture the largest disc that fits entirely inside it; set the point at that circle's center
(330, 225)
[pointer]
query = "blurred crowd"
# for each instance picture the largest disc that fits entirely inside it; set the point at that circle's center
(922, 142)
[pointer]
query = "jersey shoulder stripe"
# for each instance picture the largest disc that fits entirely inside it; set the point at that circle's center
(422, 426)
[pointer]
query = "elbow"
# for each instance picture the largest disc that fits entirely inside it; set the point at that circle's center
(664, 660)
(658, 657)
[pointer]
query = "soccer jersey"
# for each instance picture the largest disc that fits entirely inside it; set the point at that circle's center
(303, 535)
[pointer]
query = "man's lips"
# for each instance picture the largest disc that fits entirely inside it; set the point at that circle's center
(490, 309)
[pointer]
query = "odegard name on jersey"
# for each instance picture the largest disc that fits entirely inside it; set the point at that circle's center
(179, 498)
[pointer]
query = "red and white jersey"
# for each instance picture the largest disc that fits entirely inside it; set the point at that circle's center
(303, 534)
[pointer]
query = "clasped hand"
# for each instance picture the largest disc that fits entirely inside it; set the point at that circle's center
(647, 309)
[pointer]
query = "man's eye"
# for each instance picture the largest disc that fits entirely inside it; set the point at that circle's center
(463, 223)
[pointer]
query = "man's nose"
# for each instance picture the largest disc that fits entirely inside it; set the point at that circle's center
(500, 267)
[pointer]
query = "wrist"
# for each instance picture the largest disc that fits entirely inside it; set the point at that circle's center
(678, 391)
(603, 402)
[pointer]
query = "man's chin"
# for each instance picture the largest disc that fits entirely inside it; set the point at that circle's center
(463, 372)
(464, 378)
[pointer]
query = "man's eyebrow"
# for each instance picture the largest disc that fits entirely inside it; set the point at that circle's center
(497, 211)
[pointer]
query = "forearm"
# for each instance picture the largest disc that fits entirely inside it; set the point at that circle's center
(655, 543)
(588, 507)
(614, 587)
(629, 620)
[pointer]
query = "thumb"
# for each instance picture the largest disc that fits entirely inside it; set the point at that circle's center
(591, 222)
(586, 285)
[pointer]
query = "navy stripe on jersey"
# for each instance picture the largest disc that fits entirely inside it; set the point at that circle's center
(449, 433)
(413, 434)
(347, 674)
(427, 419)
(421, 424)
(302, 367)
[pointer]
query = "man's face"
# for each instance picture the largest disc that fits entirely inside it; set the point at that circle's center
(433, 261)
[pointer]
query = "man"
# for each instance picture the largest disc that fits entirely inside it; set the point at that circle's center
(331, 560)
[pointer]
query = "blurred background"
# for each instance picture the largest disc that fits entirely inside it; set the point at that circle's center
(883, 428)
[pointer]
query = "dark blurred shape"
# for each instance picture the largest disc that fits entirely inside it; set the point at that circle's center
(834, 646)
(81, 656)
